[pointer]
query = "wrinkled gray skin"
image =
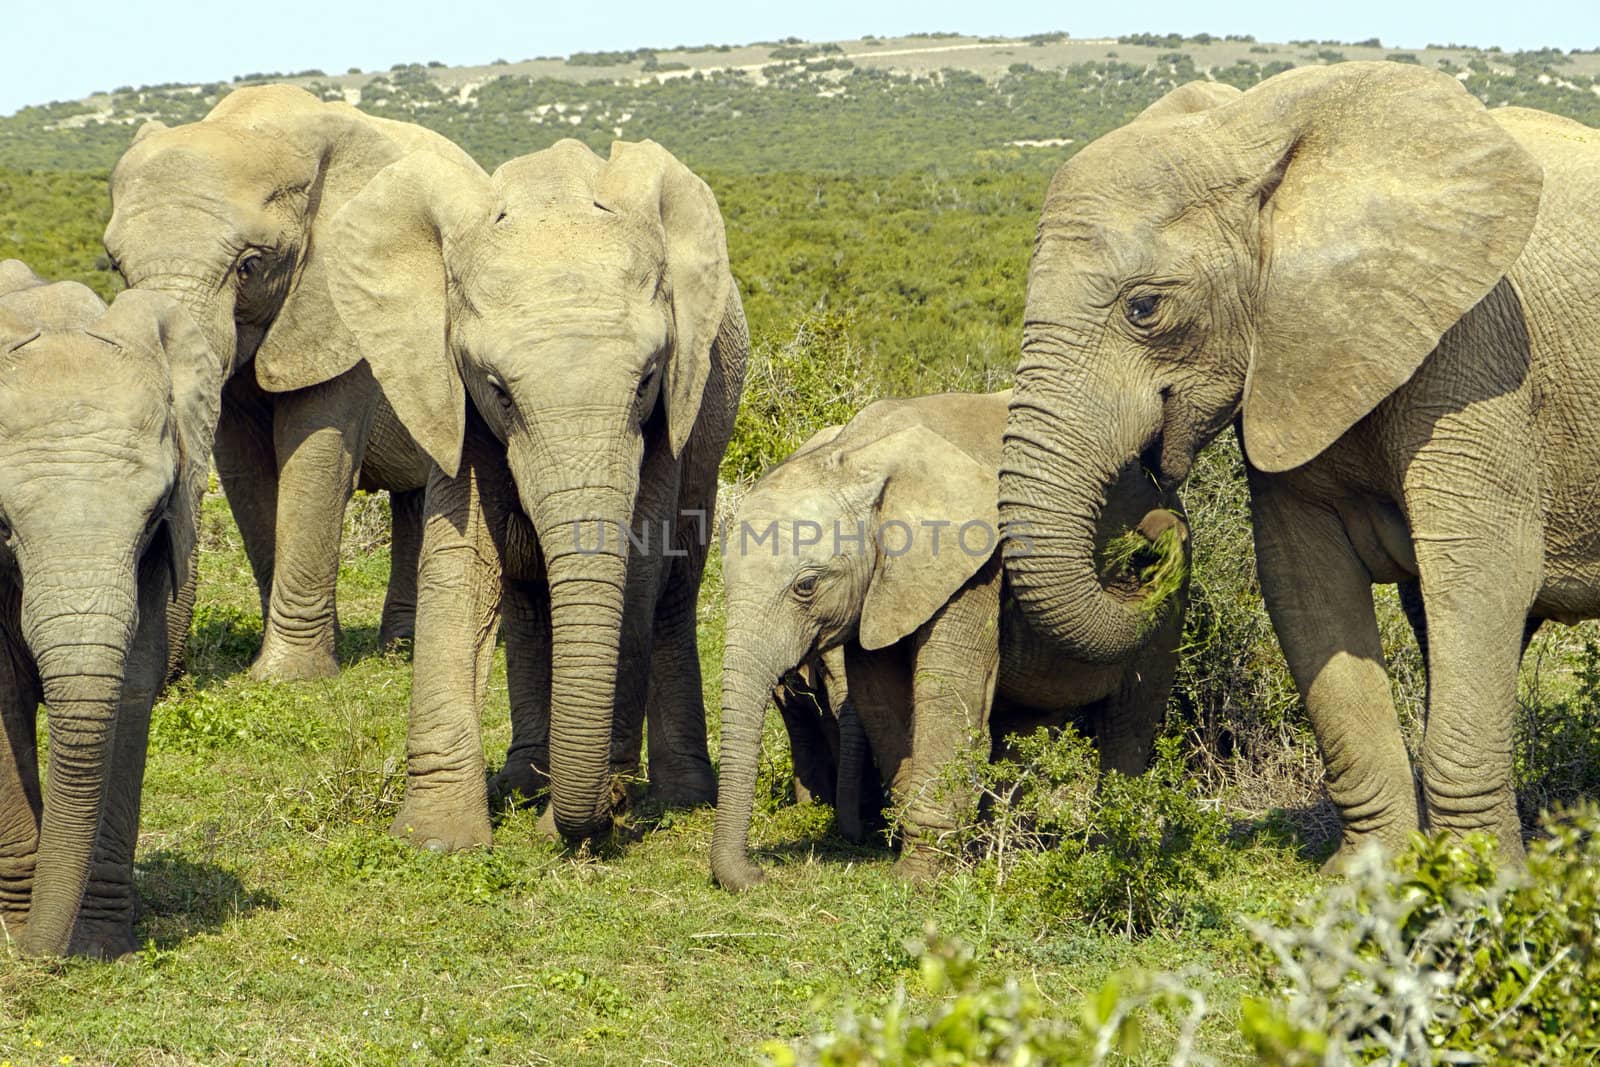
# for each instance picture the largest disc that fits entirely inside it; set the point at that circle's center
(230, 215)
(913, 636)
(566, 341)
(1354, 263)
(105, 426)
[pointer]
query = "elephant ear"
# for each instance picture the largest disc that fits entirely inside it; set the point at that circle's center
(155, 325)
(1391, 203)
(388, 277)
(645, 180)
(342, 151)
(1189, 98)
(927, 482)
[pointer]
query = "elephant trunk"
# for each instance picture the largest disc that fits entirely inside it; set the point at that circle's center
(581, 525)
(211, 309)
(79, 629)
(747, 684)
(1067, 442)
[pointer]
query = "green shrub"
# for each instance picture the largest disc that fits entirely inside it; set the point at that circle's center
(1126, 854)
(1557, 741)
(1442, 958)
(983, 1023)
(814, 378)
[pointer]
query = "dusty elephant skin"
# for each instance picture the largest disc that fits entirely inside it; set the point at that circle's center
(230, 215)
(106, 419)
(566, 342)
(871, 556)
(1355, 263)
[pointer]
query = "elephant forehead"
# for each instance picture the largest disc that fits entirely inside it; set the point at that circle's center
(220, 155)
(58, 377)
(58, 306)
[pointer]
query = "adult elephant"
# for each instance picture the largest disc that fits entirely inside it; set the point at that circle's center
(105, 431)
(1390, 290)
(230, 215)
(566, 341)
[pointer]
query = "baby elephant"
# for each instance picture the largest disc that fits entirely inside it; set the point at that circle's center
(106, 420)
(872, 556)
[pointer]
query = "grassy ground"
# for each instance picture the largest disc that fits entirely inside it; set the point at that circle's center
(281, 924)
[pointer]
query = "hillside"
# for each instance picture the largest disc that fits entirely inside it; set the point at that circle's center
(870, 105)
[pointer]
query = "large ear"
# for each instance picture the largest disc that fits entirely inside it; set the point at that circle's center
(389, 281)
(344, 151)
(1391, 204)
(645, 179)
(1190, 97)
(932, 493)
(155, 324)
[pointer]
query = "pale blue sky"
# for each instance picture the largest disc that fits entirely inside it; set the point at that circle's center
(65, 49)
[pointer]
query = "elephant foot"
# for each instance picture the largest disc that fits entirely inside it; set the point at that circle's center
(850, 826)
(689, 787)
(519, 783)
(395, 630)
(279, 664)
(439, 829)
(12, 926)
(918, 866)
(103, 941)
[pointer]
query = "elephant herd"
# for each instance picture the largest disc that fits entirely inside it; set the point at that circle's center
(1390, 291)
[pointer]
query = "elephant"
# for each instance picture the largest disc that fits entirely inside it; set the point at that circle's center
(106, 419)
(231, 216)
(875, 549)
(566, 342)
(1388, 290)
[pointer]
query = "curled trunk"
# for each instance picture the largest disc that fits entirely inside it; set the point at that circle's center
(1064, 451)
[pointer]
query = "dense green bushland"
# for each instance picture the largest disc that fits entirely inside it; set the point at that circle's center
(880, 237)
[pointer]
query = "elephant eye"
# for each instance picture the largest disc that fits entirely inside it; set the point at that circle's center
(805, 586)
(5, 530)
(248, 266)
(644, 382)
(1141, 309)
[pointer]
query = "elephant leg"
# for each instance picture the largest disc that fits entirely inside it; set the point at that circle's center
(321, 435)
(399, 619)
(21, 802)
(680, 760)
(458, 602)
(880, 695)
(1319, 596)
(247, 466)
(1477, 628)
(526, 624)
(957, 658)
(813, 762)
(105, 922)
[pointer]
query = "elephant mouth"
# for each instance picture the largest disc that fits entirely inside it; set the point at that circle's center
(1148, 564)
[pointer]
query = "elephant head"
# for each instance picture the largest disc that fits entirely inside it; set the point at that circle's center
(571, 302)
(1287, 256)
(861, 536)
(230, 214)
(106, 418)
